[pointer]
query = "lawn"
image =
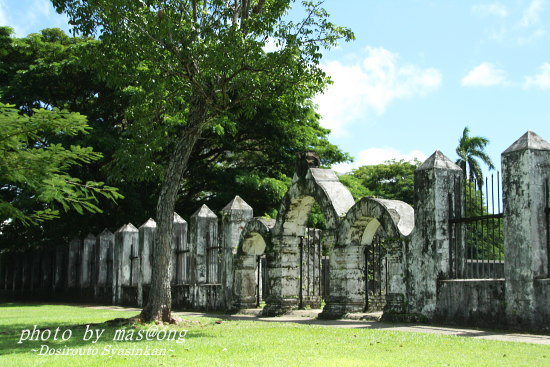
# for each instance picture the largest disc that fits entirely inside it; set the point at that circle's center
(215, 342)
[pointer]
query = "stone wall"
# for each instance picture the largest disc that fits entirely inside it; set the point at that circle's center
(472, 302)
(214, 259)
(116, 268)
(520, 298)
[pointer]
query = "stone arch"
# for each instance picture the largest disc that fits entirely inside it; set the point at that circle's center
(254, 239)
(347, 262)
(318, 185)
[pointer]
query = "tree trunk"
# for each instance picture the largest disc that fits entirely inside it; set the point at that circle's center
(159, 304)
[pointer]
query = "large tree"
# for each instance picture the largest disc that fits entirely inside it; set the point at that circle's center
(197, 60)
(469, 150)
(253, 157)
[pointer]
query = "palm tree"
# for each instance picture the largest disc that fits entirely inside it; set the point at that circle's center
(471, 148)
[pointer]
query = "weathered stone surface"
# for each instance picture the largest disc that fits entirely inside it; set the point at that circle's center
(525, 169)
(105, 244)
(334, 199)
(179, 245)
(146, 247)
(126, 246)
(347, 261)
(74, 263)
(253, 241)
(436, 182)
(235, 215)
(542, 304)
(528, 141)
(474, 302)
(87, 260)
(438, 160)
(203, 235)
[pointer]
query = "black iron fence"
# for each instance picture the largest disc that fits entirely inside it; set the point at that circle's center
(376, 275)
(476, 248)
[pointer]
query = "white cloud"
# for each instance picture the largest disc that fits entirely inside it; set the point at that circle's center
(30, 16)
(370, 86)
(373, 156)
(519, 23)
(484, 75)
(531, 15)
(540, 80)
(490, 9)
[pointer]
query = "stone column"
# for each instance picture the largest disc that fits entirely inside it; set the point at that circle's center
(74, 263)
(36, 271)
(61, 267)
(2, 272)
(87, 260)
(203, 234)
(179, 244)
(235, 215)
(146, 248)
(428, 258)
(105, 245)
(126, 246)
(525, 170)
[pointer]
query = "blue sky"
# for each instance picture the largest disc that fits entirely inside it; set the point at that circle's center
(418, 72)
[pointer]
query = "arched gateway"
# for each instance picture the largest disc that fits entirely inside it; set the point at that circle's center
(283, 258)
(255, 237)
(348, 283)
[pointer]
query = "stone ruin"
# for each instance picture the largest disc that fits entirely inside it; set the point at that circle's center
(373, 254)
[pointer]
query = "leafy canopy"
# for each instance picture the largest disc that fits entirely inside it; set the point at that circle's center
(36, 170)
(390, 180)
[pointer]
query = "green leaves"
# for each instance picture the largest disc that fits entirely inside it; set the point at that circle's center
(469, 150)
(33, 167)
(391, 180)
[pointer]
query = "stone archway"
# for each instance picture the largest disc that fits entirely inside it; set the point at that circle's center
(347, 261)
(255, 237)
(334, 199)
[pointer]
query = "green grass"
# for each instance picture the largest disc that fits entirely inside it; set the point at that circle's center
(251, 343)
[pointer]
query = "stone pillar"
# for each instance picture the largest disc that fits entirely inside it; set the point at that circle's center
(126, 246)
(26, 276)
(525, 169)
(61, 268)
(2, 272)
(179, 245)
(203, 234)
(428, 258)
(235, 215)
(17, 264)
(73, 265)
(46, 272)
(146, 248)
(105, 246)
(87, 260)
(36, 274)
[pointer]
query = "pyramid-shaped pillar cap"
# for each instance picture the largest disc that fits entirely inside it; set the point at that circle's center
(90, 237)
(237, 204)
(105, 232)
(204, 212)
(438, 160)
(178, 219)
(528, 141)
(149, 224)
(127, 228)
